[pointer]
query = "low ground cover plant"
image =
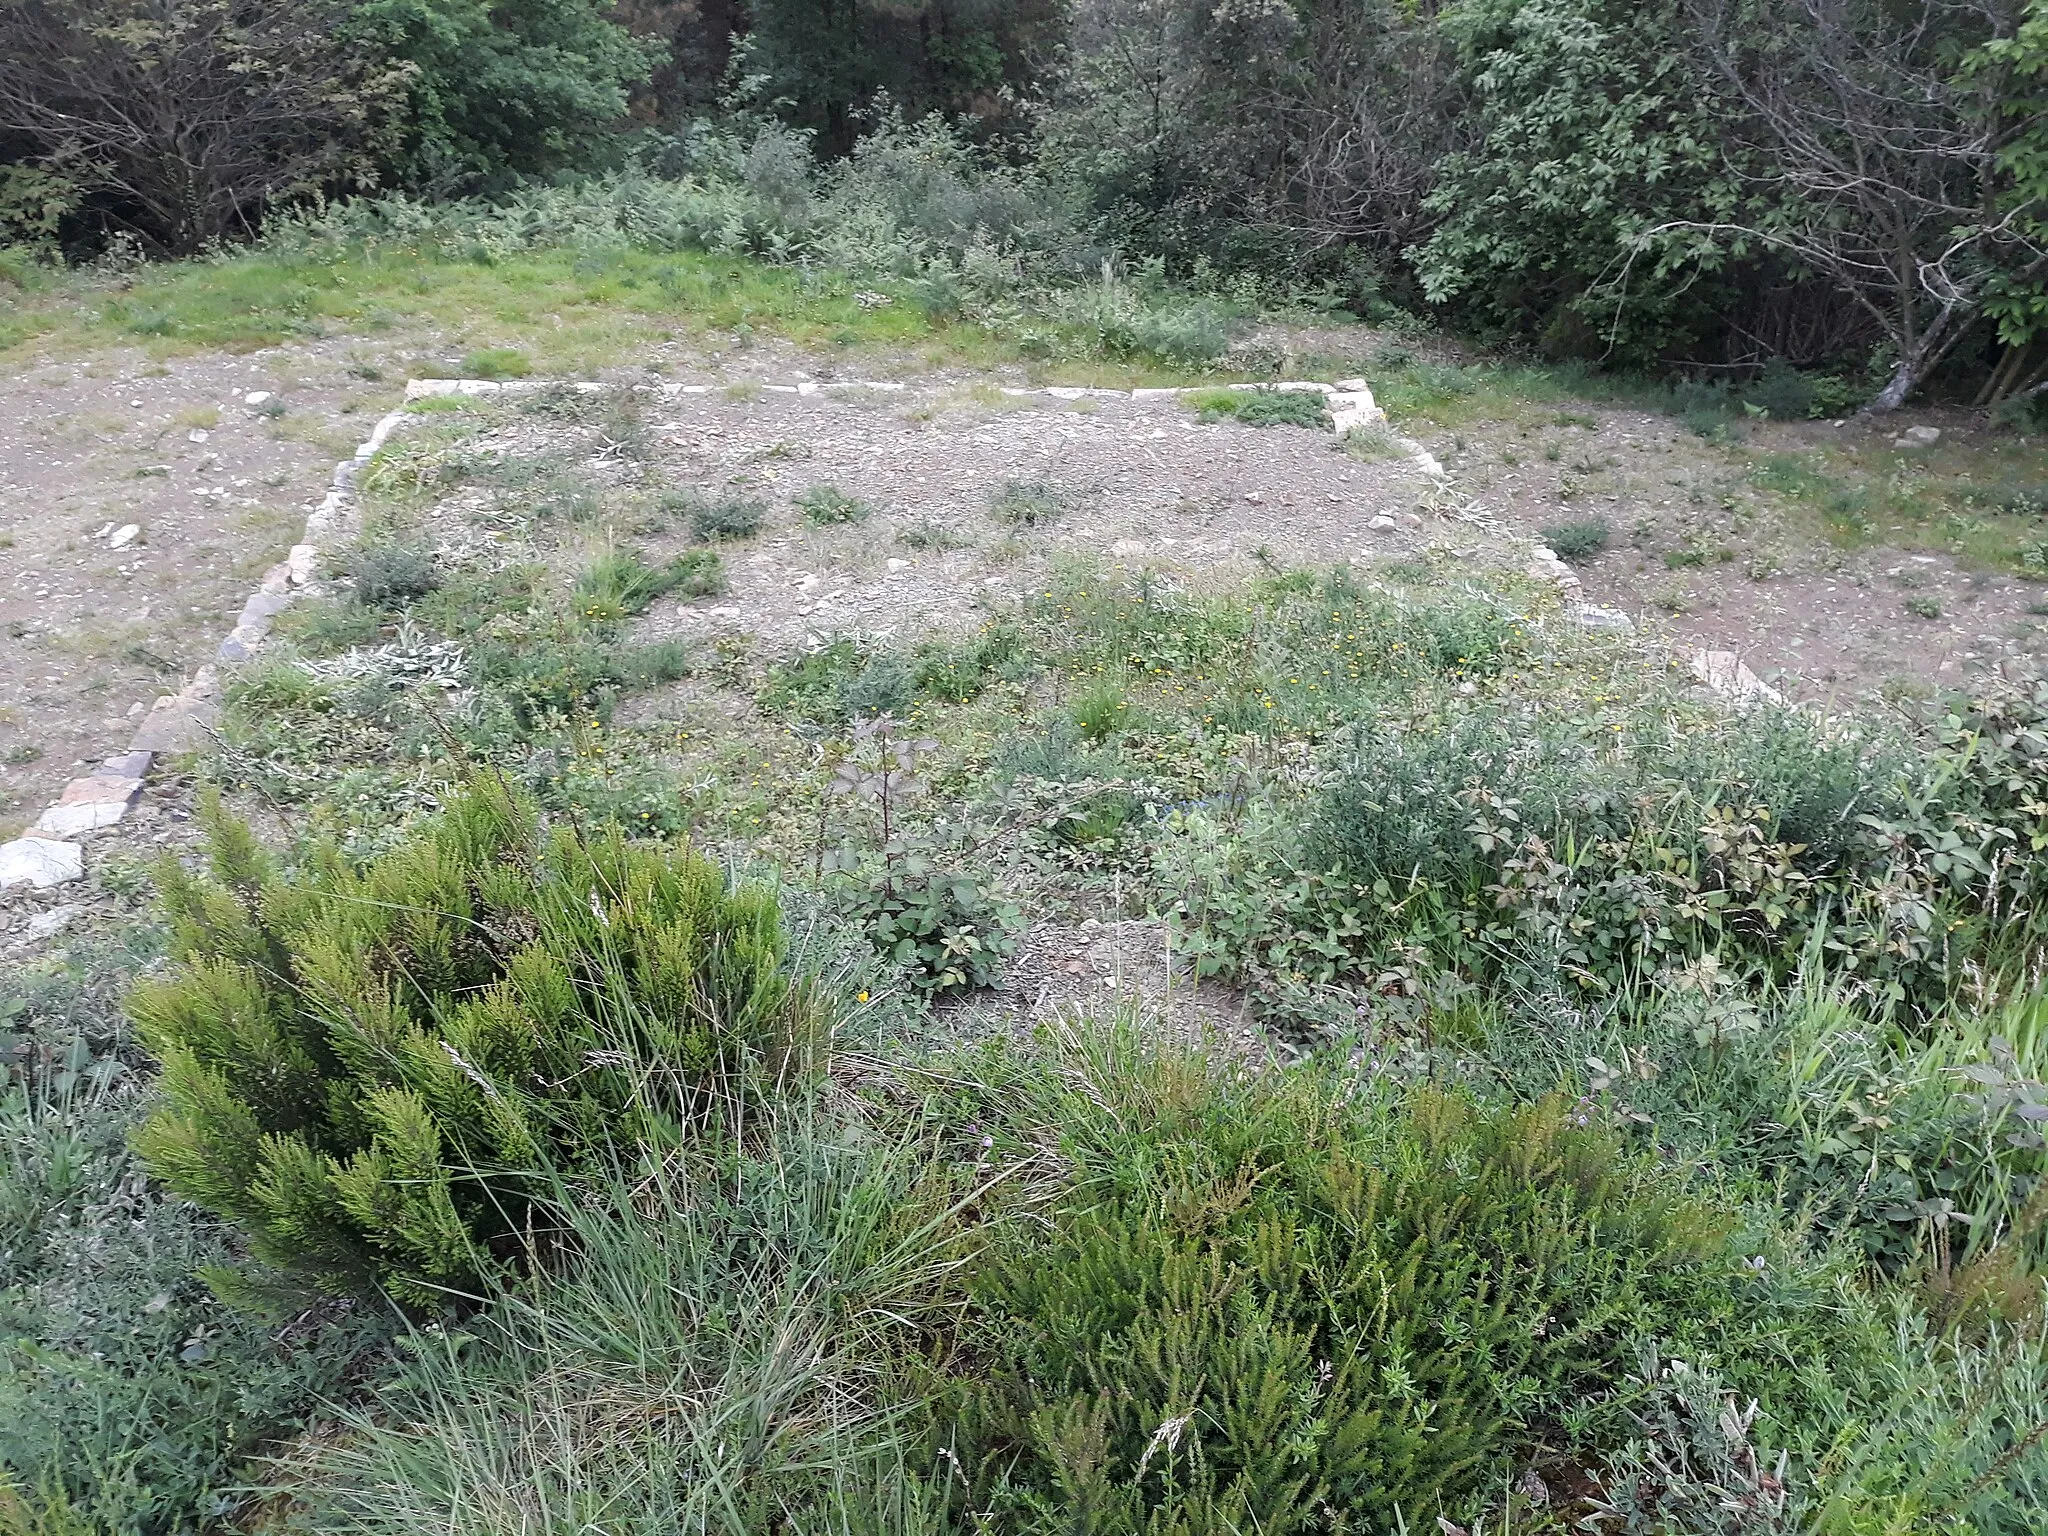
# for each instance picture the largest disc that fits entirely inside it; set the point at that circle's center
(1262, 407)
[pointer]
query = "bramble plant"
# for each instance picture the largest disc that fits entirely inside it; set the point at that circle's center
(945, 929)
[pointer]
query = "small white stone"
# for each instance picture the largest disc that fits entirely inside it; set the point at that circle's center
(40, 861)
(1589, 616)
(1382, 524)
(256, 397)
(898, 565)
(47, 925)
(196, 435)
(125, 535)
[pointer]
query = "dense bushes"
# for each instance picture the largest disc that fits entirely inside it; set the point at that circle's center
(1111, 1288)
(1657, 184)
(1491, 839)
(1264, 1303)
(372, 1070)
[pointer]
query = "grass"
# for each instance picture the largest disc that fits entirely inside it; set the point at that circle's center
(1261, 407)
(564, 312)
(1028, 503)
(1977, 503)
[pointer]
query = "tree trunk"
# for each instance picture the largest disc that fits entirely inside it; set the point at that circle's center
(1919, 359)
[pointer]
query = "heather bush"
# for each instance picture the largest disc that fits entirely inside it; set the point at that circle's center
(369, 1069)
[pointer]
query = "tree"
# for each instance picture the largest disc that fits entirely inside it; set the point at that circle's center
(2015, 71)
(182, 120)
(503, 88)
(824, 62)
(1595, 138)
(1876, 160)
(1256, 132)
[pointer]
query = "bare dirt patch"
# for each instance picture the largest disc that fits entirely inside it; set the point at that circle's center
(91, 631)
(1780, 546)
(1131, 483)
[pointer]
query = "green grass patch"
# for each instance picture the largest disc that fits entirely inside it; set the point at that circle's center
(1261, 407)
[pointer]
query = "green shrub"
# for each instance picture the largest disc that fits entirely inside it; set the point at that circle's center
(1263, 407)
(826, 505)
(371, 1070)
(619, 584)
(387, 575)
(1486, 838)
(928, 534)
(885, 684)
(1027, 503)
(1264, 1298)
(959, 670)
(1580, 539)
(719, 517)
(810, 686)
(554, 676)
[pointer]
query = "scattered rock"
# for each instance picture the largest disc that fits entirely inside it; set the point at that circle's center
(125, 535)
(1382, 524)
(196, 435)
(1592, 616)
(256, 397)
(47, 925)
(1917, 437)
(41, 862)
(1724, 672)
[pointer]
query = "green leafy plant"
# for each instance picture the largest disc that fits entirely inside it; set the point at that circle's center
(1580, 539)
(373, 1072)
(942, 926)
(827, 505)
(1027, 503)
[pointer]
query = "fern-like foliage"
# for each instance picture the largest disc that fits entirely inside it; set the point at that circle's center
(378, 1071)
